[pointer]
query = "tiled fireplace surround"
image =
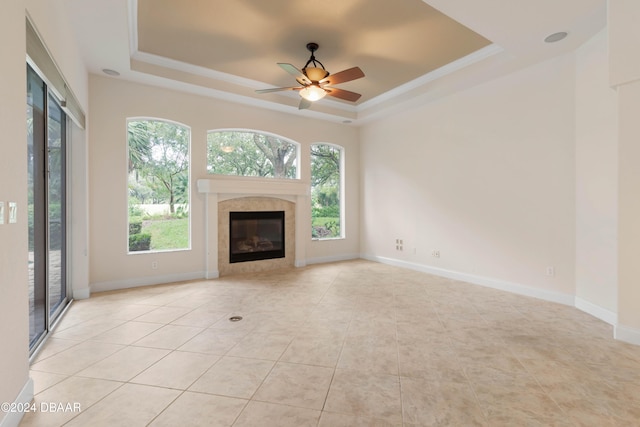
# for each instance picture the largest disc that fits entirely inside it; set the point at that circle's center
(226, 194)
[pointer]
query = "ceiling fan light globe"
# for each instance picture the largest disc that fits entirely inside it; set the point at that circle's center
(313, 93)
(315, 74)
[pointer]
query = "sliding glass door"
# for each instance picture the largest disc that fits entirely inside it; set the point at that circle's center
(46, 141)
(56, 126)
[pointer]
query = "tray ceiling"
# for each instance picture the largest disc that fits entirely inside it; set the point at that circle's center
(411, 51)
(392, 42)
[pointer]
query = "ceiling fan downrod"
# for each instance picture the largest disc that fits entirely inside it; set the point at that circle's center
(316, 74)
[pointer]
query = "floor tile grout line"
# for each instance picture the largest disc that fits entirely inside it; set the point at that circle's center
(122, 384)
(402, 411)
(335, 368)
(279, 360)
(165, 408)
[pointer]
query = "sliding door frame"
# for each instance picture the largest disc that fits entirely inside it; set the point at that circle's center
(44, 315)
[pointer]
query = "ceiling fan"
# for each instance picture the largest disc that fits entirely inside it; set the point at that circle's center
(316, 81)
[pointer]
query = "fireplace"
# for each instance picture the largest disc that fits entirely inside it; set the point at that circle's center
(256, 236)
(249, 194)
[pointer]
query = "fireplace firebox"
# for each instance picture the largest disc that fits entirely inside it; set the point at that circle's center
(256, 236)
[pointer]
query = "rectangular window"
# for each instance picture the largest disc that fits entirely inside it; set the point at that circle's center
(158, 186)
(326, 192)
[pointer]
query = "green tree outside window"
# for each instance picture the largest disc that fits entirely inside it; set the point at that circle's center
(326, 165)
(158, 185)
(245, 153)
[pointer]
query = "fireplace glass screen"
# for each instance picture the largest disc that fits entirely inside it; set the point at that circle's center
(256, 236)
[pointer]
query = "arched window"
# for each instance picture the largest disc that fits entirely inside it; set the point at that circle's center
(158, 185)
(327, 165)
(249, 153)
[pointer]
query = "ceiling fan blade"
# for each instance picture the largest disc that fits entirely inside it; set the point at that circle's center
(343, 94)
(298, 74)
(343, 76)
(304, 104)
(277, 89)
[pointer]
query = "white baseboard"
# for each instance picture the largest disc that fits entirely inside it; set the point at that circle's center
(488, 282)
(145, 281)
(12, 419)
(215, 274)
(626, 334)
(83, 293)
(335, 258)
(300, 264)
(596, 311)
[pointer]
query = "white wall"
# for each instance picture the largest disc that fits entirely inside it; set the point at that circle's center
(624, 41)
(78, 218)
(628, 327)
(14, 311)
(596, 181)
(624, 35)
(52, 25)
(485, 176)
(14, 307)
(112, 102)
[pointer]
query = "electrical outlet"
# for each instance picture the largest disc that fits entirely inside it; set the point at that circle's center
(398, 244)
(435, 253)
(551, 271)
(154, 265)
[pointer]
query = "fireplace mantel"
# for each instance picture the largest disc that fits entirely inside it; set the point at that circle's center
(220, 188)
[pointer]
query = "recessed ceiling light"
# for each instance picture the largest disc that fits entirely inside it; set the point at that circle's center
(555, 37)
(110, 72)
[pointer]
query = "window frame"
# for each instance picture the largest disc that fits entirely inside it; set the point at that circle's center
(189, 186)
(341, 190)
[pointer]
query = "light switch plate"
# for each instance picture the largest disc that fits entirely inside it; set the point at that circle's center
(1, 212)
(13, 212)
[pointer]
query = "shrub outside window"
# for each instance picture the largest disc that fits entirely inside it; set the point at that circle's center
(158, 185)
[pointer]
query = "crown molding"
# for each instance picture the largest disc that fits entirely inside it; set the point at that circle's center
(443, 71)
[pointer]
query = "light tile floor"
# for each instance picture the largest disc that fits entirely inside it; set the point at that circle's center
(346, 344)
